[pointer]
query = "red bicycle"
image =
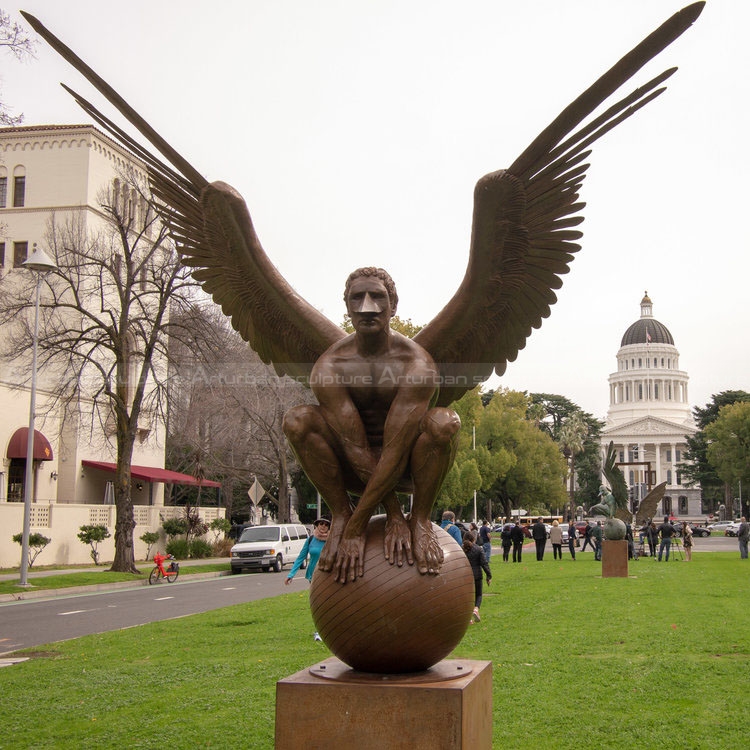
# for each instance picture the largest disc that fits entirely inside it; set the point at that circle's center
(170, 572)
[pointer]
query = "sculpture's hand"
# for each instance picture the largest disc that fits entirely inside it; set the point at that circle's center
(397, 541)
(427, 550)
(350, 559)
(327, 557)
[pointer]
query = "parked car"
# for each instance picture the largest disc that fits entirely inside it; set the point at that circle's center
(700, 530)
(267, 547)
(721, 526)
(733, 529)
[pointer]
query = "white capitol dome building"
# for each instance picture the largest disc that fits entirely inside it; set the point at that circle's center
(649, 415)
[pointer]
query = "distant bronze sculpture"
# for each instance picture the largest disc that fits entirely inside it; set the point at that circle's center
(371, 436)
(614, 503)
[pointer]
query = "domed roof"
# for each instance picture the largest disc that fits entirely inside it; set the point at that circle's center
(647, 330)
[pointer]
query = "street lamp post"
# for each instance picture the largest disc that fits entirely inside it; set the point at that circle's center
(41, 263)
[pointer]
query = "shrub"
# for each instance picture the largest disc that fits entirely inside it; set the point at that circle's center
(37, 542)
(178, 548)
(200, 548)
(222, 547)
(92, 534)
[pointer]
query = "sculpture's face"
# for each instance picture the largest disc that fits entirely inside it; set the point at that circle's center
(368, 305)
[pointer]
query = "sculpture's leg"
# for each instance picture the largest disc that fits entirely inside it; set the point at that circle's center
(431, 459)
(314, 445)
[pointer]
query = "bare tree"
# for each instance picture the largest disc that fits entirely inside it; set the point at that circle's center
(105, 326)
(226, 409)
(15, 39)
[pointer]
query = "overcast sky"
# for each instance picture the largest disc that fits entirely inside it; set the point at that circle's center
(356, 130)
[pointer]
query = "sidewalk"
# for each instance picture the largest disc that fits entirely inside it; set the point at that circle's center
(144, 565)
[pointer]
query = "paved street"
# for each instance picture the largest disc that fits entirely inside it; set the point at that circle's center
(34, 622)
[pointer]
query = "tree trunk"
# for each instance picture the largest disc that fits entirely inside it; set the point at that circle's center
(124, 561)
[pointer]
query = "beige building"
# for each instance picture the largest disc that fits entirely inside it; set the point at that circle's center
(650, 415)
(61, 171)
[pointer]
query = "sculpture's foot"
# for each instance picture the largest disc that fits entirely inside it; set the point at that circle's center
(397, 540)
(327, 558)
(428, 553)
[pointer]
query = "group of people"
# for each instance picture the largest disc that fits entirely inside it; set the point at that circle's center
(663, 535)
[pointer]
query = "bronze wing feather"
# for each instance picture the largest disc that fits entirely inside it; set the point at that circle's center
(214, 234)
(523, 237)
(649, 504)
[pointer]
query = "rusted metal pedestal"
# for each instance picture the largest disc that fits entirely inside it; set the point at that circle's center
(615, 558)
(330, 705)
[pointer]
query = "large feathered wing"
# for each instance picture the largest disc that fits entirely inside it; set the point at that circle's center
(214, 234)
(614, 476)
(523, 233)
(649, 504)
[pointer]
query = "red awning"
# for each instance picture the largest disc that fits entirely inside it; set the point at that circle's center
(19, 440)
(154, 474)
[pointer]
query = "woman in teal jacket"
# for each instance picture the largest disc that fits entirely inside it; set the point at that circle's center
(313, 547)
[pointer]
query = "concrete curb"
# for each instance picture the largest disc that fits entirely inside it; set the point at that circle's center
(27, 594)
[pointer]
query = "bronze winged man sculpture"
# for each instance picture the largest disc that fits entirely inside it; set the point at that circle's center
(383, 422)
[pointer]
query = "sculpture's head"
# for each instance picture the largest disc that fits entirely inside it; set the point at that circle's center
(378, 273)
(371, 300)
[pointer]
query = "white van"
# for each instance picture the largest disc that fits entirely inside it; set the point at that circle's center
(268, 547)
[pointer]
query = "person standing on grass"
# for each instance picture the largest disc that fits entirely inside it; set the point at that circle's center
(687, 541)
(743, 535)
(484, 540)
(652, 536)
(313, 546)
(572, 536)
(478, 564)
(587, 538)
(449, 524)
(596, 534)
(666, 532)
(506, 539)
(539, 535)
(517, 536)
(555, 538)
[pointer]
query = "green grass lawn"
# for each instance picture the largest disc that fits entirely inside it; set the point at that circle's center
(658, 660)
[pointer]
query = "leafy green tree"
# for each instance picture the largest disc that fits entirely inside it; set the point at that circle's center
(520, 465)
(728, 438)
(37, 542)
(572, 436)
(695, 468)
(149, 538)
(174, 527)
(552, 413)
(92, 534)
(220, 527)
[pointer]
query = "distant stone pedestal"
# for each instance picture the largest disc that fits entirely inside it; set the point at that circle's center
(615, 558)
(448, 706)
